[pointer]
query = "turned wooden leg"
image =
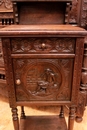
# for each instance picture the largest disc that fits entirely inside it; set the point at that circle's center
(71, 118)
(15, 119)
(22, 113)
(61, 112)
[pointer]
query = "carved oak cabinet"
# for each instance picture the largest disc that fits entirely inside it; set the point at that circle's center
(43, 57)
(43, 67)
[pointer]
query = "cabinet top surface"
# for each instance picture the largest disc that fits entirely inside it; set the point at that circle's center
(41, 29)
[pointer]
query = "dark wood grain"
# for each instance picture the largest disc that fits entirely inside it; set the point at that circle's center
(43, 60)
(43, 78)
(48, 13)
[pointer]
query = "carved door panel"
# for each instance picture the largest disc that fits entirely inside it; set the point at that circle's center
(43, 79)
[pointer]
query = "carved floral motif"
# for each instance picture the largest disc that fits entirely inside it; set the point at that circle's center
(36, 45)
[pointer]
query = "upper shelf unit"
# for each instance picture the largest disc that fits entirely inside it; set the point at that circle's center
(46, 12)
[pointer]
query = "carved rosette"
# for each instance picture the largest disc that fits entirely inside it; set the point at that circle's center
(43, 79)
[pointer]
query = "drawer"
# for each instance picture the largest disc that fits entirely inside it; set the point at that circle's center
(42, 45)
(43, 79)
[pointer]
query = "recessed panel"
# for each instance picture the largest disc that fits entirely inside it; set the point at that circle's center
(41, 12)
(43, 79)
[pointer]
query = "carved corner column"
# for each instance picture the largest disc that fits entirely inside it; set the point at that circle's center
(83, 87)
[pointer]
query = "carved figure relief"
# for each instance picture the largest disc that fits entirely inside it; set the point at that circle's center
(48, 83)
(43, 79)
(51, 45)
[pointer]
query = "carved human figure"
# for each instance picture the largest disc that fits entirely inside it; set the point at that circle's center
(48, 82)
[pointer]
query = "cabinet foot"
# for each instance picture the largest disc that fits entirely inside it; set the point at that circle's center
(78, 119)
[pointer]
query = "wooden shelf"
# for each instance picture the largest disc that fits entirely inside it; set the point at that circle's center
(43, 123)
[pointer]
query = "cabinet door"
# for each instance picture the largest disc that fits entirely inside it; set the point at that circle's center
(43, 79)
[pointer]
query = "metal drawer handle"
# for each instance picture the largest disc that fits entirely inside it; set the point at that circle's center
(18, 81)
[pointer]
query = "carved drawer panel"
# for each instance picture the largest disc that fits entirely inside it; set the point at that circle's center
(43, 79)
(40, 45)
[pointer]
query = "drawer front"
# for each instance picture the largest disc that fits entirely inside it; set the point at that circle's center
(42, 45)
(43, 79)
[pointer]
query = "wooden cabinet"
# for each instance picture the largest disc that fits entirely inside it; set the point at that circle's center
(43, 67)
(44, 57)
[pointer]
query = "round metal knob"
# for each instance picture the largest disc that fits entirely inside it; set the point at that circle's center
(18, 82)
(43, 46)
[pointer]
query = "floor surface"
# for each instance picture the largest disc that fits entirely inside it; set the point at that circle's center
(6, 118)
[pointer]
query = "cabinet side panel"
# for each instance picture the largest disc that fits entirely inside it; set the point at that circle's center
(9, 71)
(77, 69)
